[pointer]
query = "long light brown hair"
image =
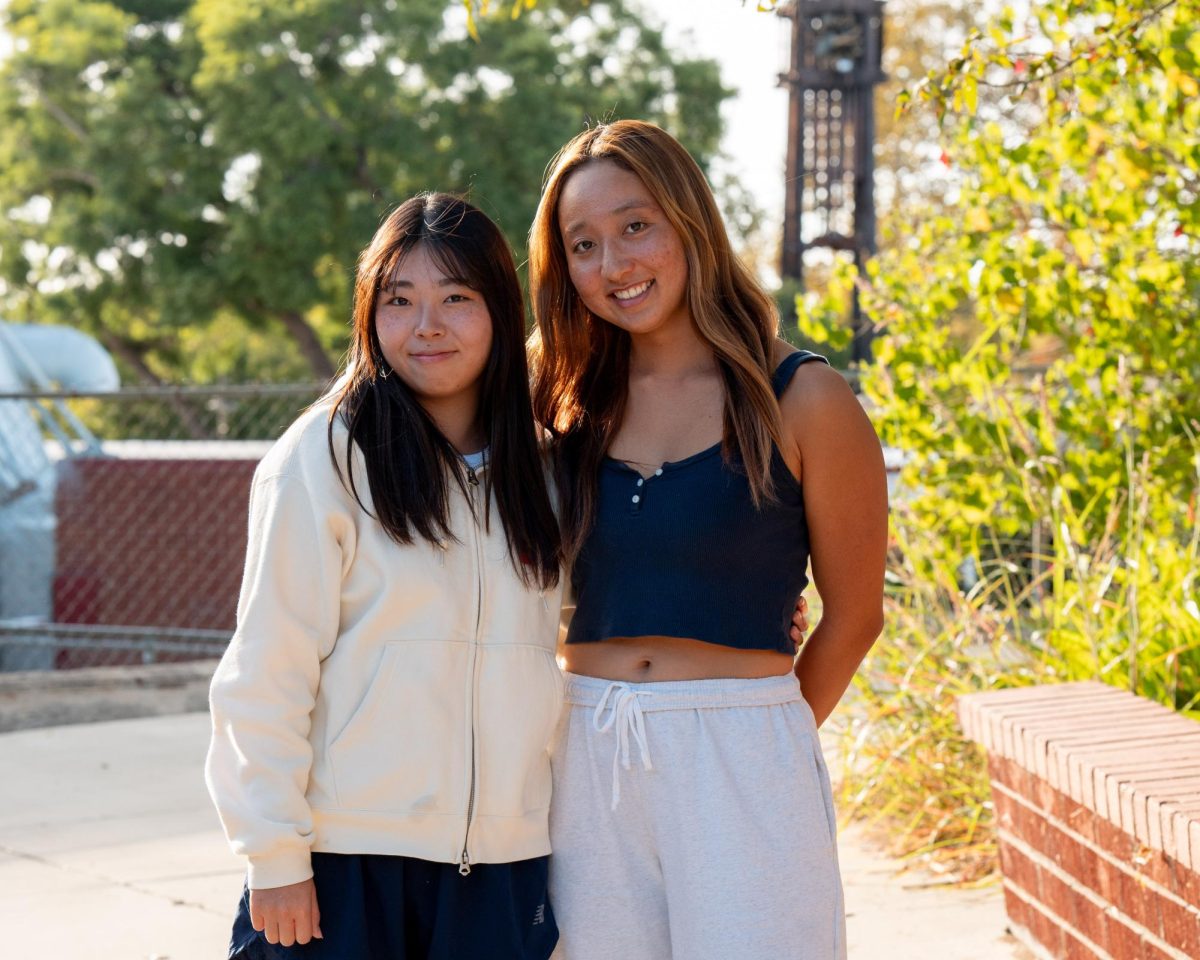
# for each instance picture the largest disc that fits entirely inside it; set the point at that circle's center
(581, 363)
(409, 462)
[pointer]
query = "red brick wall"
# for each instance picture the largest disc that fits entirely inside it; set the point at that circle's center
(151, 542)
(1097, 796)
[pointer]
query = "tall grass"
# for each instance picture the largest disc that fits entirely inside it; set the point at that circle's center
(1057, 605)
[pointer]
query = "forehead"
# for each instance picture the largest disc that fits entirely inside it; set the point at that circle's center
(599, 190)
(422, 265)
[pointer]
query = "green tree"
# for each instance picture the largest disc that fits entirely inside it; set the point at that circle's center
(190, 179)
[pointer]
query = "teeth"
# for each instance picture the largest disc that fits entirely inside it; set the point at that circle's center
(631, 292)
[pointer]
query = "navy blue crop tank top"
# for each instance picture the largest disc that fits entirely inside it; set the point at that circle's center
(685, 553)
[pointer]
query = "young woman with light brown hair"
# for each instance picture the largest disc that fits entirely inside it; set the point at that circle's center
(700, 459)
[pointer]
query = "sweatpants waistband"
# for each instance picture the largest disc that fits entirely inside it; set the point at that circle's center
(687, 694)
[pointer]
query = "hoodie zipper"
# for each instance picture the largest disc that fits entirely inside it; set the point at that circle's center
(464, 860)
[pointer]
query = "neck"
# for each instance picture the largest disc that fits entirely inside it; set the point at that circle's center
(674, 352)
(458, 421)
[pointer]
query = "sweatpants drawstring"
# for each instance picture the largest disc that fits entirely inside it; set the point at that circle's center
(625, 713)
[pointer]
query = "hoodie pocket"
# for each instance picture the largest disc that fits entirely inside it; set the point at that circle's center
(520, 699)
(404, 747)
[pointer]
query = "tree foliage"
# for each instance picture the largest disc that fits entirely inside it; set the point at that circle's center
(186, 175)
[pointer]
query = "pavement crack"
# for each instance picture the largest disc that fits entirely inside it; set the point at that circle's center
(130, 885)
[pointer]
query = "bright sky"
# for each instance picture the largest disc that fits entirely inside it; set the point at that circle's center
(752, 48)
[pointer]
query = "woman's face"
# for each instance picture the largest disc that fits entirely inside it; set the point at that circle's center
(435, 331)
(625, 259)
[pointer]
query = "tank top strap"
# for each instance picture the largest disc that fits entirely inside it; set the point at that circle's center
(788, 367)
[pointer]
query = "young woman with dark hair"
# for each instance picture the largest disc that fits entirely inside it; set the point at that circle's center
(701, 460)
(382, 717)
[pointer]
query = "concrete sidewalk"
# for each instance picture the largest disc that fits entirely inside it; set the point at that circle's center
(109, 850)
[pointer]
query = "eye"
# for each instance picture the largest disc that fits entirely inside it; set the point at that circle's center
(396, 301)
(637, 226)
(458, 298)
(582, 246)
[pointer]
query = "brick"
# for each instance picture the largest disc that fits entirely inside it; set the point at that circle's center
(1044, 795)
(1146, 792)
(1017, 909)
(1124, 940)
(1030, 826)
(1019, 869)
(1080, 819)
(1193, 860)
(1079, 765)
(1108, 880)
(1075, 949)
(1185, 883)
(1113, 840)
(1090, 919)
(1158, 763)
(1046, 931)
(1181, 927)
(1154, 866)
(1085, 866)
(1179, 811)
(1181, 824)
(1151, 951)
(1002, 807)
(1058, 897)
(1022, 913)
(1136, 902)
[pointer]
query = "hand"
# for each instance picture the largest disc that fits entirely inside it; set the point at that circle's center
(799, 622)
(287, 915)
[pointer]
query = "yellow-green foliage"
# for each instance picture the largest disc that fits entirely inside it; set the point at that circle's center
(1039, 362)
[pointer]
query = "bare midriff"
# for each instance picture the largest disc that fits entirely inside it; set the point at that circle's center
(648, 659)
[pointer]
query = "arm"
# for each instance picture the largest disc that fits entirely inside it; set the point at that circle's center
(262, 698)
(845, 499)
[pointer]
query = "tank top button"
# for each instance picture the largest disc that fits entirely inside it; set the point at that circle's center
(640, 481)
(636, 498)
(658, 472)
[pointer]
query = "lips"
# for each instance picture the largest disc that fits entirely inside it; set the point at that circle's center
(431, 357)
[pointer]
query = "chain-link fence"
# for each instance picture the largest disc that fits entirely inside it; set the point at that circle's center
(123, 520)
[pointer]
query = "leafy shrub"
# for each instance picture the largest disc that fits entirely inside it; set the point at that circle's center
(1038, 362)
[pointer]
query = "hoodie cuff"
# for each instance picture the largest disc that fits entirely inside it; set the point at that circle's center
(279, 870)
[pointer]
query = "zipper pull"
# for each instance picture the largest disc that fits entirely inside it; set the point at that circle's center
(472, 479)
(464, 866)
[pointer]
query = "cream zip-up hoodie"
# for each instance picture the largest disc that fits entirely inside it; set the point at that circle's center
(378, 698)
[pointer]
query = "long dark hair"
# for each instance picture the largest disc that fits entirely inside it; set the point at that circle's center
(409, 462)
(581, 363)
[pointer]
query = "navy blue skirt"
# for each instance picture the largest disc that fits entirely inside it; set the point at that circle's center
(376, 907)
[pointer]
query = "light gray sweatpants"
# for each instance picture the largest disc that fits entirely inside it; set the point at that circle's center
(693, 820)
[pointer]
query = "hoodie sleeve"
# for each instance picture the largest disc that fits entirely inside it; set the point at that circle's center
(265, 686)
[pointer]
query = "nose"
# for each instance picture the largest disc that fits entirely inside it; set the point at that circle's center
(615, 263)
(429, 322)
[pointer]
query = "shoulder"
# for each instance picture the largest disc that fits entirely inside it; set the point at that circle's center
(302, 452)
(812, 380)
(819, 407)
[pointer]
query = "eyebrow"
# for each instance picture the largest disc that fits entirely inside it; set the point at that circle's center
(408, 284)
(622, 208)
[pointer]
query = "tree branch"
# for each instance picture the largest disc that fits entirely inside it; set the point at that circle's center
(306, 339)
(61, 115)
(1065, 65)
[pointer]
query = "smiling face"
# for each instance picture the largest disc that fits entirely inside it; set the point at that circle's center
(625, 259)
(435, 332)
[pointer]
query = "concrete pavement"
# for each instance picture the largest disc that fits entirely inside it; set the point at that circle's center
(109, 850)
